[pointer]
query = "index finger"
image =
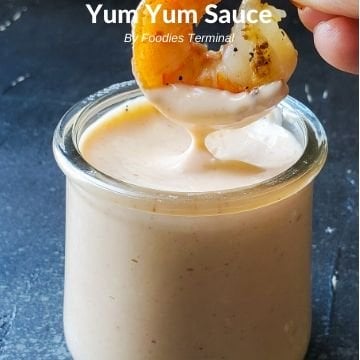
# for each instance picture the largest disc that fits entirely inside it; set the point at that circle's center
(348, 8)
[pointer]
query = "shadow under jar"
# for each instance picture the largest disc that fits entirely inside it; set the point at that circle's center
(159, 275)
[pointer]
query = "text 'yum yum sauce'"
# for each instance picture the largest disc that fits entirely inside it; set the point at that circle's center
(179, 16)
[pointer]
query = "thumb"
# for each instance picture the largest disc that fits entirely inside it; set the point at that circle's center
(337, 41)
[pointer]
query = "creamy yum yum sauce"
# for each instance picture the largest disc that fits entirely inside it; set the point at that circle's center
(186, 284)
(137, 144)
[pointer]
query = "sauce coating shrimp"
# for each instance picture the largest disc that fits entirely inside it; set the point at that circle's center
(259, 54)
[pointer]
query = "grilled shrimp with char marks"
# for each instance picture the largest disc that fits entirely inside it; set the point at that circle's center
(260, 53)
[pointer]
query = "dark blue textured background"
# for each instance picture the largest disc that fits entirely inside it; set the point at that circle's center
(51, 57)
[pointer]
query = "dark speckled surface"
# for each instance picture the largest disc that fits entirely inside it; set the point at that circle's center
(61, 57)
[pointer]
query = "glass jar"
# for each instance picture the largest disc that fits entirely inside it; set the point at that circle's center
(161, 275)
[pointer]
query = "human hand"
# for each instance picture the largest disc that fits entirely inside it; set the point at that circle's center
(335, 26)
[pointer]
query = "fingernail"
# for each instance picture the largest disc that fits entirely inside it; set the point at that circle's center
(324, 25)
(297, 4)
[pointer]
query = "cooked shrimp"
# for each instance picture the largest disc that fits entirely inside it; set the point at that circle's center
(259, 53)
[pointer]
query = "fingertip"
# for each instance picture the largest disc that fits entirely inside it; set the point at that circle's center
(311, 18)
(337, 41)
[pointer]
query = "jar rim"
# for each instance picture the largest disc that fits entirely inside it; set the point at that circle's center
(290, 181)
